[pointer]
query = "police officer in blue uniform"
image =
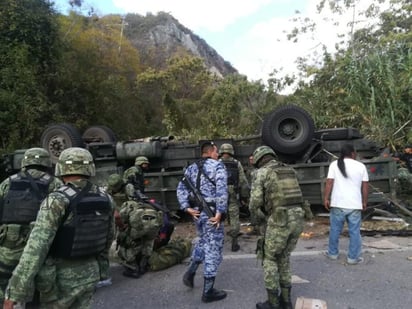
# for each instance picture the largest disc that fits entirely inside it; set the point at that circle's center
(209, 176)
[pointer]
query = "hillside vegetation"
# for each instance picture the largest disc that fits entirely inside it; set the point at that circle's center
(149, 75)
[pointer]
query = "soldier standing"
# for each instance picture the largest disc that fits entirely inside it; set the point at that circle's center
(209, 176)
(73, 227)
(276, 193)
(238, 188)
(20, 199)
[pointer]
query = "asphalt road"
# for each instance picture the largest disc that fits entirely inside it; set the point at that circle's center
(382, 281)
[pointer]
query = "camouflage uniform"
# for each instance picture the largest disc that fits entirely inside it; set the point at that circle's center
(275, 191)
(212, 184)
(133, 177)
(135, 241)
(63, 282)
(13, 236)
(238, 188)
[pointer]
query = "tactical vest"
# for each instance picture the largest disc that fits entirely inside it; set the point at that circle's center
(87, 232)
(232, 172)
(22, 202)
(286, 192)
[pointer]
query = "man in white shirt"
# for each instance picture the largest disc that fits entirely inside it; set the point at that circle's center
(346, 195)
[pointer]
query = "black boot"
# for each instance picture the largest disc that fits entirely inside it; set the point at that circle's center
(272, 302)
(235, 245)
(285, 299)
(210, 293)
(189, 276)
(131, 273)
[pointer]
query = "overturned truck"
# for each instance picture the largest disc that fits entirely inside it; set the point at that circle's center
(289, 130)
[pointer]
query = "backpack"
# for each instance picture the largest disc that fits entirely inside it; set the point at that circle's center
(141, 218)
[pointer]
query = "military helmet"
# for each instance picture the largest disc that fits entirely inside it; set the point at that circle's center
(115, 183)
(141, 160)
(75, 161)
(260, 152)
(36, 156)
(226, 148)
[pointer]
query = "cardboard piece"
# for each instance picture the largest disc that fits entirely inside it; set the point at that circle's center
(310, 303)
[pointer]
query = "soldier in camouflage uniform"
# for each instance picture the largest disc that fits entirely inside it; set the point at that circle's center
(238, 188)
(209, 176)
(20, 198)
(276, 193)
(135, 239)
(73, 227)
(133, 177)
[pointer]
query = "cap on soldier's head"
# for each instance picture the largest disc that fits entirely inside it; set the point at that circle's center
(36, 156)
(75, 161)
(226, 148)
(141, 160)
(262, 151)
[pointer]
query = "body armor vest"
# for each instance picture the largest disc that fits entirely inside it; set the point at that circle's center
(287, 191)
(86, 234)
(232, 172)
(22, 202)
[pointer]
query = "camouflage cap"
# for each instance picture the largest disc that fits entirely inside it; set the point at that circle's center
(75, 161)
(260, 152)
(141, 160)
(226, 148)
(36, 156)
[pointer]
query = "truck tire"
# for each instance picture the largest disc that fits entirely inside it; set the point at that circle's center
(99, 134)
(288, 129)
(337, 134)
(58, 137)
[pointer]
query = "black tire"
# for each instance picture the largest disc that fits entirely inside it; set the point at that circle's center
(288, 129)
(99, 134)
(337, 134)
(58, 137)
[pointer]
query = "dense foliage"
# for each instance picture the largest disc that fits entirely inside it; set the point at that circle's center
(86, 70)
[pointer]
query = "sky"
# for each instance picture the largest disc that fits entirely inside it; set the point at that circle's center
(250, 34)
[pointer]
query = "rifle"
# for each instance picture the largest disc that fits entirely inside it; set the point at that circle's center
(141, 197)
(199, 198)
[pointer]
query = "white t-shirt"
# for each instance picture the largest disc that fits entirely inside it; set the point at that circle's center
(347, 192)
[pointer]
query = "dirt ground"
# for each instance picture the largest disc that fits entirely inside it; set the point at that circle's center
(318, 227)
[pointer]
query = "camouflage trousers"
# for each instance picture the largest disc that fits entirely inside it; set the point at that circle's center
(12, 241)
(209, 247)
(233, 211)
(282, 233)
(65, 283)
(171, 254)
(131, 251)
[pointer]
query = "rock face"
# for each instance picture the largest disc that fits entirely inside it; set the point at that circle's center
(158, 37)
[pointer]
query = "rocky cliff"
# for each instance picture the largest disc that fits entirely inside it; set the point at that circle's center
(158, 37)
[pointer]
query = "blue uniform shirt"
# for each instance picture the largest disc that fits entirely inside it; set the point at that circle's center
(212, 191)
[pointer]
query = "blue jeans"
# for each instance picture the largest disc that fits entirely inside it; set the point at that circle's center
(337, 219)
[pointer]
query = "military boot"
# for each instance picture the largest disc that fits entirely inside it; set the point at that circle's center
(210, 293)
(143, 265)
(235, 244)
(131, 273)
(189, 276)
(285, 299)
(272, 302)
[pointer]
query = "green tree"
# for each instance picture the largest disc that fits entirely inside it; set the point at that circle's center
(29, 48)
(367, 82)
